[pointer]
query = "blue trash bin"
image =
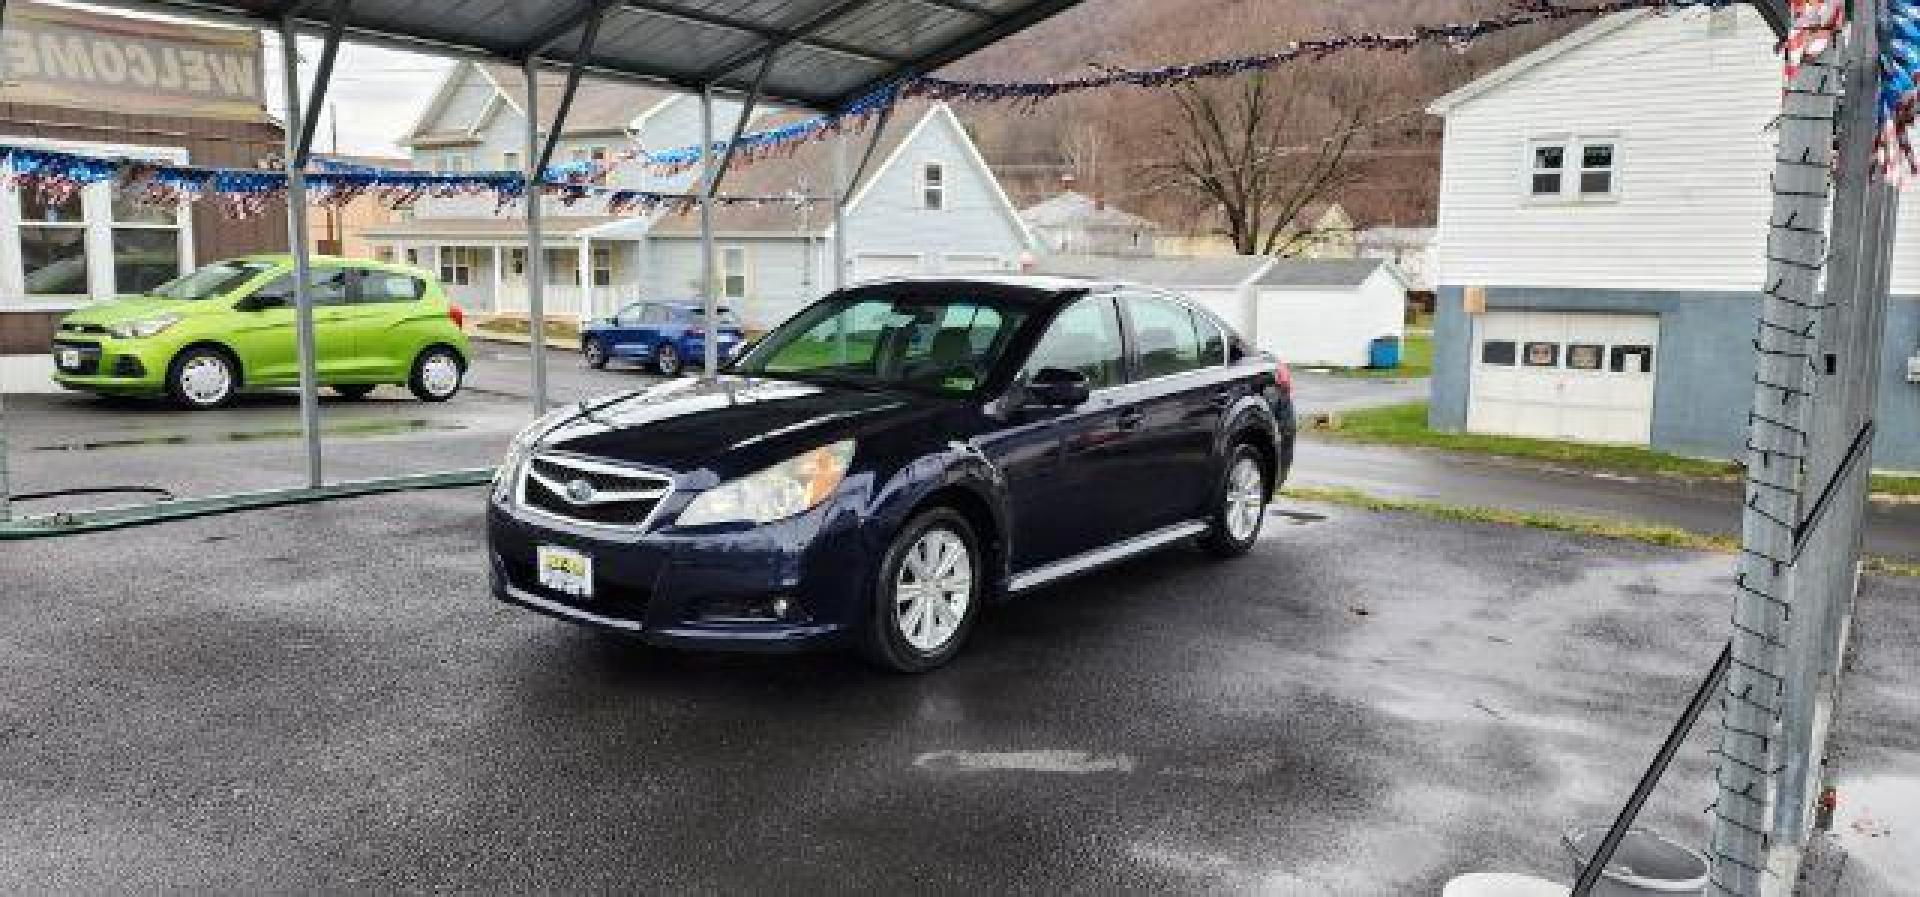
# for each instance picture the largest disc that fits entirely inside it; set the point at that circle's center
(1384, 353)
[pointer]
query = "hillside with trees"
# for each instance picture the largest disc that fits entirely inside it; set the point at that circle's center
(1240, 155)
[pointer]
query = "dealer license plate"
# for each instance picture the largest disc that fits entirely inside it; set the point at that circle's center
(69, 359)
(565, 570)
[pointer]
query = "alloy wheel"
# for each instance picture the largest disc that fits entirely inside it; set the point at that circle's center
(1246, 499)
(667, 360)
(933, 590)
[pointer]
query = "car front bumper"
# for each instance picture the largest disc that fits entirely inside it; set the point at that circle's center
(687, 590)
(107, 365)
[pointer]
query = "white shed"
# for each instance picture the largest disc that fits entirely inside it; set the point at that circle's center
(1224, 285)
(1329, 311)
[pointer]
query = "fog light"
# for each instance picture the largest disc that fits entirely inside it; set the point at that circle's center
(752, 610)
(779, 607)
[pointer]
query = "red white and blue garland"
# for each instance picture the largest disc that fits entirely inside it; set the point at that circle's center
(243, 193)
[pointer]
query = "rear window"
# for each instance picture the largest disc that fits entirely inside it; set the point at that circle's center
(387, 286)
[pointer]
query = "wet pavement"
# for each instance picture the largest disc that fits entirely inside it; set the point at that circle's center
(324, 698)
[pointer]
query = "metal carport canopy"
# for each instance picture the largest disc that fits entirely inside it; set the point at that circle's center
(829, 52)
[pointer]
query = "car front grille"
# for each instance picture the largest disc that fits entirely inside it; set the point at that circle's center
(592, 492)
(86, 357)
(82, 328)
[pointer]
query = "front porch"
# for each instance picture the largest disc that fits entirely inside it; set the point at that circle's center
(483, 264)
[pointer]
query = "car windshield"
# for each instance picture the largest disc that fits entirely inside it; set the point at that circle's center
(943, 342)
(216, 279)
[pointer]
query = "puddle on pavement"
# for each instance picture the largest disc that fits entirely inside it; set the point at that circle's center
(368, 428)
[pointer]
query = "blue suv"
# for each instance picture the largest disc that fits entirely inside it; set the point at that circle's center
(663, 336)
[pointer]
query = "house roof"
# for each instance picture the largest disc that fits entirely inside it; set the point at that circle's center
(1325, 272)
(505, 227)
(599, 106)
(1078, 209)
(1223, 271)
(1505, 74)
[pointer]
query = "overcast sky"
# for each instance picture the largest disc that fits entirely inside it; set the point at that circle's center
(378, 93)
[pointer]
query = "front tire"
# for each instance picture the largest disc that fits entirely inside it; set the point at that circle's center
(202, 378)
(596, 354)
(1240, 507)
(437, 375)
(666, 360)
(927, 595)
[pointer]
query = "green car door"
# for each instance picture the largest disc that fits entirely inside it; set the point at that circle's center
(264, 330)
(389, 324)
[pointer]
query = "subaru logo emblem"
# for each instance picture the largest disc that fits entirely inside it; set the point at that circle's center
(580, 492)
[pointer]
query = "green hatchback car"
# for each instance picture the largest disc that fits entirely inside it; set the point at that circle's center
(229, 326)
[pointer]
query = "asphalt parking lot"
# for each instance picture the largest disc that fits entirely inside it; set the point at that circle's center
(325, 698)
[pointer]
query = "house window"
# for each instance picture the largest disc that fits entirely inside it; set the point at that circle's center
(413, 256)
(733, 272)
(1500, 352)
(510, 161)
(517, 262)
(1584, 357)
(603, 266)
(1543, 355)
(933, 186)
(1549, 168)
(146, 244)
(1596, 169)
(93, 242)
(456, 265)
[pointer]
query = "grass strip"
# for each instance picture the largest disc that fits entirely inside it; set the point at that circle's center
(1624, 530)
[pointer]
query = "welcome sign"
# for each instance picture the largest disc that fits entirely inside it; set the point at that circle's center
(55, 56)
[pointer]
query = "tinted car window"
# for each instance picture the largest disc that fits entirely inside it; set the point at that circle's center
(328, 286)
(938, 342)
(1163, 331)
(386, 286)
(630, 316)
(1213, 342)
(654, 316)
(1084, 338)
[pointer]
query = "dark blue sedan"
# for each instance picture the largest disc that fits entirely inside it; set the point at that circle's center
(663, 336)
(891, 460)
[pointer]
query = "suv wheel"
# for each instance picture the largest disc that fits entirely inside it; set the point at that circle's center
(666, 360)
(596, 354)
(1240, 508)
(437, 375)
(202, 378)
(927, 596)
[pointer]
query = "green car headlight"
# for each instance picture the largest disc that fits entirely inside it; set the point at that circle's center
(142, 328)
(786, 489)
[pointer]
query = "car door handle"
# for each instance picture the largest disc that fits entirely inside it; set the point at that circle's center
(1220, 400)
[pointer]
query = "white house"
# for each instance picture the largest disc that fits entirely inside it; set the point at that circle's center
(927, 203)
(1307, 311)
(1073, 223)
(1604, 204)
(1410, 249)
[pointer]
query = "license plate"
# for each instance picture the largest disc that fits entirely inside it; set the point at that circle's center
(565, 570)
(69, 359)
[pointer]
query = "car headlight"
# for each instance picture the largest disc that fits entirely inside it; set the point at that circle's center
(791, 487)
(142, 328)
(518, 451)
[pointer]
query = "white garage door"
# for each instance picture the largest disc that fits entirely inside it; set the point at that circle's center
(869, 266)
(1549, 375)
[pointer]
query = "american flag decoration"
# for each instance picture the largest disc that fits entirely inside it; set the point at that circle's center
(1815, 25)
(1899, 90)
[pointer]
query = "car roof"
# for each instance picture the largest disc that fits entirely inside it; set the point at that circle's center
(284, 258)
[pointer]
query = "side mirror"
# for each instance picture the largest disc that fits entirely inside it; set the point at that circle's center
(1058, 388)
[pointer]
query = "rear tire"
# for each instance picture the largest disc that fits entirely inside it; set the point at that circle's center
(355, 391)
(202, 378)
(595, 352)
(437, 375)
(926, 595)
(666, 360)
(1240, 504)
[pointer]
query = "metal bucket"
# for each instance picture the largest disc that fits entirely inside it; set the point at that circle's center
(1645, 863)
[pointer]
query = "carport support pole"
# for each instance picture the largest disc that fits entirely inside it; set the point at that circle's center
(297, 246)
(536, 242)
(1778, 444)
(1846, 387)
(6, 484)
(710, 290)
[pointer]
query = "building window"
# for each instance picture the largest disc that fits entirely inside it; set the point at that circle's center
(53, 244)
(1596, 169)
(413, 256)
(733, 272)
(453, 163)
(1632, 360)
(1549, 168)
(933, 186)
(510, 161)
(1499, 352)
(517, 262)
(563, 267)
(1584, 357)
(603, 266)
(146, 244)
(1543, 355)
(456, 265)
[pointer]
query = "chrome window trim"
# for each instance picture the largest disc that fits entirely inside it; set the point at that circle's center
(593, 465)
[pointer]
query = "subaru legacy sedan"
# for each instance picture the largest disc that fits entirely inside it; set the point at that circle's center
(891, 460)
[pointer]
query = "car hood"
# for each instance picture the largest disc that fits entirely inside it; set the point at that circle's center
(136, 308)
(731, 425)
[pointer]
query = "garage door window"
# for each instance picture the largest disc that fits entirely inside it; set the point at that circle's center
(1501, 352)
(1543, 355)
(1632, 360)
(1582, 357)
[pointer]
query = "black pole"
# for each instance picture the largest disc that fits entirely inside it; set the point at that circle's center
(1590, 874)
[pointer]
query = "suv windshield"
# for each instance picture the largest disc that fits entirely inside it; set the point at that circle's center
(938, 342)
(216, 279)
